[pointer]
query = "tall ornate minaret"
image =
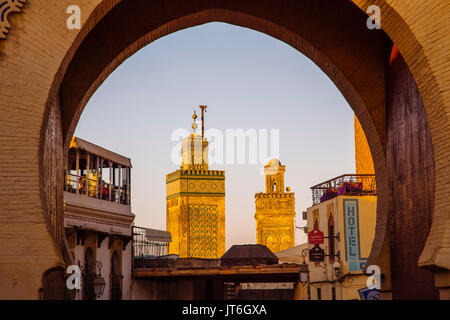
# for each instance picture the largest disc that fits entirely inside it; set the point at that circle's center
(195, 201)
(275, 210)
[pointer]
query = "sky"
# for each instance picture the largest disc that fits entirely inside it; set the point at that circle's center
(249, 80)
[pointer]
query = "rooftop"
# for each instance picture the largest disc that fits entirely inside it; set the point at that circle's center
(248, 254)
(346, 184)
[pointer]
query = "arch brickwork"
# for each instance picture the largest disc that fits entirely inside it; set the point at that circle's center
(48, 73)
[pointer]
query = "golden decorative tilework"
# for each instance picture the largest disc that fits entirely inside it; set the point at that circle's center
(195, 185)
(203, 231)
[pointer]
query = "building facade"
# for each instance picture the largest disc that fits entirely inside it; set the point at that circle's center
(244, 272)
(275, 210)
(98, 219)
(195, 203)
(347, 219)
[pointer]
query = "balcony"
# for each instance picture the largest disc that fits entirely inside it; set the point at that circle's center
(97, 173)
(150, 247)
(346, 184)
(92, 188)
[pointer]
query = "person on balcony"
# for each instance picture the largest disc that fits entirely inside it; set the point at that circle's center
(82, 184)
(104, 190)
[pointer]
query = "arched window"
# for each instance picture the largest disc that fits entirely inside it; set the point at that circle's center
(331, 242)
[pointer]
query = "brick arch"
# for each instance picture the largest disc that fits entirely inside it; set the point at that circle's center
(336, 51)
(327, 51)
(419, 31)
(414, 41)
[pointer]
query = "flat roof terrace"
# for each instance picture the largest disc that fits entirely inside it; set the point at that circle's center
(285, 272)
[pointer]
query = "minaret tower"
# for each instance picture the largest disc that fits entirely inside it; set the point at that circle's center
(275, 210)
(195, 201)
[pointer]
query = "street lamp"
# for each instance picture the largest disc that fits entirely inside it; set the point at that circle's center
(304, 273)
(99, 282)
(337, 269)
(304, 270)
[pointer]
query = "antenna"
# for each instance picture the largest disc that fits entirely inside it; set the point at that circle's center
(203, 119)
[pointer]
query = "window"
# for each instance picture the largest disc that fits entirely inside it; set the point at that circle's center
(304, 215)
(331, 242)
(319, 294)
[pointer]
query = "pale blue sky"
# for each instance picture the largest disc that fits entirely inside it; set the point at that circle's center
(248, 80)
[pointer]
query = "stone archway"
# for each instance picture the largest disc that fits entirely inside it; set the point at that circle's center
(366, 95)
(116, 274)
(69, 67)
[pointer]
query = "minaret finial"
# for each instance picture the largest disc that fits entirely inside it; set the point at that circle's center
(194, 125)
(203, 119)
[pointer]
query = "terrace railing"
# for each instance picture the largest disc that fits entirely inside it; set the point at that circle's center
(143, 247)
(346, 184)
(91, 188)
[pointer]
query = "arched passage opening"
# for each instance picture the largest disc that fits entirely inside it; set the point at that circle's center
(116, 276)
(332, 34)
(89, 274)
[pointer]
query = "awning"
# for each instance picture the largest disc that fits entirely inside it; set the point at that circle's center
(158, 235)
(99, 151)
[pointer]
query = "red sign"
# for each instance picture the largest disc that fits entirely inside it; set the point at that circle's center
(315, 237)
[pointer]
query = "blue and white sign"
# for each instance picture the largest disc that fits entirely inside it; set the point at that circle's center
(369, 294)
(351, 233)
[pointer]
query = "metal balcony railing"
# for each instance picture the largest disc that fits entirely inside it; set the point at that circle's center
(145, 248)
(91, 188)
(346, 184)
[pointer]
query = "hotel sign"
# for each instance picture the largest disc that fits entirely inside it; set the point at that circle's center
(352, 237)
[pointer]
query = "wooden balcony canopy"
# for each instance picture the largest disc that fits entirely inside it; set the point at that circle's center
(158, 235)
(78, 143)
(97, 172)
